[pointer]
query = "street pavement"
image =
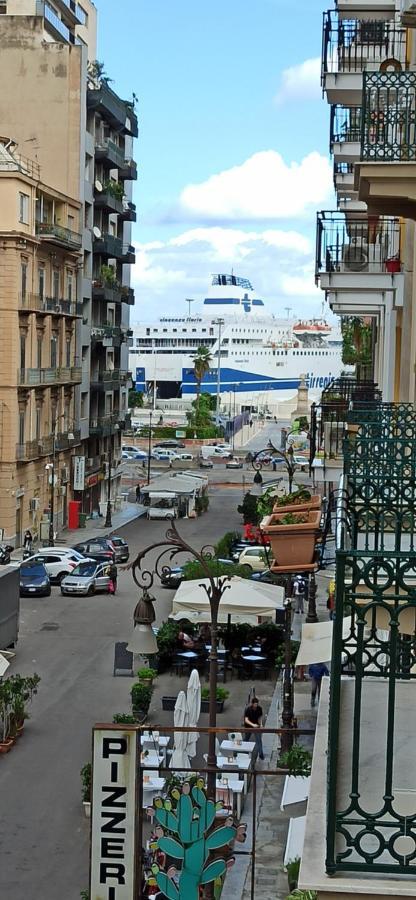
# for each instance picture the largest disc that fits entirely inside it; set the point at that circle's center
(69, 642)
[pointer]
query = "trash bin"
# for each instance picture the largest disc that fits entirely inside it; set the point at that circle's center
(82, 520)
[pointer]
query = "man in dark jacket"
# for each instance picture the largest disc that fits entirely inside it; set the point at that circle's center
(316, 674)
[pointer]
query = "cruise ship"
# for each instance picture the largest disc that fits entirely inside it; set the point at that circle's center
(261, 356)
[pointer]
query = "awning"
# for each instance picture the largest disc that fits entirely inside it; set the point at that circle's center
(295, 839)
(316, 642)
(243, 601)
(4, 664)
(296, 789)
(162, 495)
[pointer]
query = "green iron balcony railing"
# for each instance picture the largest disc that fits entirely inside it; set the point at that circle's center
(358, 45)
(368, 245)
(389, 117)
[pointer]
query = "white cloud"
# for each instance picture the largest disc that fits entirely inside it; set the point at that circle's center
(301, 82)
(279, 264)
(262, 188)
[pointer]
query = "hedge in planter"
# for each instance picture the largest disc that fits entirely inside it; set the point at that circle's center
(297, 501)
(141, 696)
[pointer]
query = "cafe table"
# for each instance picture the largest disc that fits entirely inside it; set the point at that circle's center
(226, 787)
(232, 747)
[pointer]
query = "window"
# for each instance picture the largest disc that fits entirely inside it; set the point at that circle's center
(68, 353)
(55, 284)
(69, 284)
(41, 282)
(39, 351)
(24, 200)
(22, 351)
(71, 223)
(21, 427)
(82, 15)
(38, 423)
(54, 351)
(23, 278)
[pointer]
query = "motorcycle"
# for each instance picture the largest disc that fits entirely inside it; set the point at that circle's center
(5, 551)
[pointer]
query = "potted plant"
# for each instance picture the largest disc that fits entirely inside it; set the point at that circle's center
(301, 499)
(297, 760)
(293, 537)
(86, 781)
(124, 719)
(146, 675)
(292, 871)
(298, 894)
(6, 742)
(167, 641)
(222, 695)
(141, 695)
(393, 264)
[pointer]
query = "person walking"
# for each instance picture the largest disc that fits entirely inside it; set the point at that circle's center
(138, 494)
(299, 593)
(316, 674)
(253, 718)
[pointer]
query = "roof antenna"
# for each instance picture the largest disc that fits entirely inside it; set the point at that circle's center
(288, 309)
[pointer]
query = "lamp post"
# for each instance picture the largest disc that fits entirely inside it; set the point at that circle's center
(220, 323)
(108, 521)
(149, 447)
(143, 636)
(287, 456)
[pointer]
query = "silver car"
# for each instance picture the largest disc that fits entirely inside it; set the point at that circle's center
(87, 578)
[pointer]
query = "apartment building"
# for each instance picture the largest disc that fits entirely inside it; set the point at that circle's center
(365, 248)
(65, 230)
(360, 828)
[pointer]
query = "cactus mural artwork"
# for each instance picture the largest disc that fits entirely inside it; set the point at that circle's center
(190, 823)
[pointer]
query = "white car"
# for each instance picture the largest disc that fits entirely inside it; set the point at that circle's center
(300, 461)
(58, 561)
(128, 448)
(183, 456)
(162, 453)
(254, 557)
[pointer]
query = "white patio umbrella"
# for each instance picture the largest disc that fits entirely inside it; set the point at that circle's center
(193, 697)
(180, 758)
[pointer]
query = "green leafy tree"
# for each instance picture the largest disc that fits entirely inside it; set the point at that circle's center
(202, 362)
(248, 510)
(193, 569)
(135, 399)
(224, 545)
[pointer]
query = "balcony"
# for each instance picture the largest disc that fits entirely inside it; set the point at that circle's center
(101, 426)
(352, 46)
(108, 379)
(63, 441)
(358, 260)
(49, 305)
(109, 154)
(47, 377)
(109, 246)
(345, 133)
(129, 254)
(128, 171)
(108, 335)
(329, 423)
(344, 179)
(109, 294)
(117, 112)
(44, 446)
(129, 213)
(57, 234)
(372, 8)
(385, 175)
(109, 201)
(56, 26)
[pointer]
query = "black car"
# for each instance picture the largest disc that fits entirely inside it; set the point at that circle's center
(169, 445)
(174, 577)
(121, 547)
(265, 577)
(34, 580)
(98, 548)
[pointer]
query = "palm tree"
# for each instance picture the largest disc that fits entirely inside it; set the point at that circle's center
(202, 363)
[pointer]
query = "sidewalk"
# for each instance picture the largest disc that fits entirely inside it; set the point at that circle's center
(94, 528)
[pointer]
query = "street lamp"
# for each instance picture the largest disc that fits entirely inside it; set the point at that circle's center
(108, 521)
(144, 616)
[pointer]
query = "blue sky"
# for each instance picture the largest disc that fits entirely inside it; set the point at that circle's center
(213, 95)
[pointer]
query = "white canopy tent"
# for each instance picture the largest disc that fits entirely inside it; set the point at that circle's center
(4, 664)
(243, 601)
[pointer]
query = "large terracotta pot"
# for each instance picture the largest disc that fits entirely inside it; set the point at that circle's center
(314, 503)
(293, 545)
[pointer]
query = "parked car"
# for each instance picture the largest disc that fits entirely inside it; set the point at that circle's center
(163, 455)
(121, 547)
(219, 452)
(265, 577)
(174, 577)
(234, 464)
(87, 578)
(206, 463)
(58, 561)
(183, 456)
(99, 548)
(129, 448)
(254, 558)
(126, 455)
(139, 454)
(300, 461)
(34, 579)
(237, 547)
(169, 444)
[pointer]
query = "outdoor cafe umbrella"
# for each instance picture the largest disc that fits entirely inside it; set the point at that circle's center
(193, 697)
(180, 759)
(242, 601)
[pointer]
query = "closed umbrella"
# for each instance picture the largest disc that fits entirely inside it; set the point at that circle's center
(193, 697)
(180, 758)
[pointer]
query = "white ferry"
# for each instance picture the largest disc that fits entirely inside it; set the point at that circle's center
(261, 356)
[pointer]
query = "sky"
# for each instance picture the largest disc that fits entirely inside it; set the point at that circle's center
(233, 145)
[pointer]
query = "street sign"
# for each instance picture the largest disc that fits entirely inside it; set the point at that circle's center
(113, 814)
(180, 434)
(79, 473)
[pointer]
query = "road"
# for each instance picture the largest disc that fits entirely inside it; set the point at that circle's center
(44, 837)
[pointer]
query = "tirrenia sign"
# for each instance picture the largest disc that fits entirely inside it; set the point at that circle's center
(113, 814)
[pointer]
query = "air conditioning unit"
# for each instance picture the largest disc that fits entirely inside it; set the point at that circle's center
(34, 504)
(89, 462)
(65, 475)
(358, 256)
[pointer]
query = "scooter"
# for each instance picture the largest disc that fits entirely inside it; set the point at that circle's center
(5, 551)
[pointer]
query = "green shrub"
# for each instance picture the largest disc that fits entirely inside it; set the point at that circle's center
(86, 778)
(297, 894)
(193, 569)
(146, 674)
(222, 693)
(141, 695)
(298, 760)
(248, 510)
(302, 495)
(224, 546)
(292, 869)
(123, 719)
(280, 655)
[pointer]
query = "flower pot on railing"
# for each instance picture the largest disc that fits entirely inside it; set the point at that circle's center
(393, 265)
(293, 537)
(298, 501)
